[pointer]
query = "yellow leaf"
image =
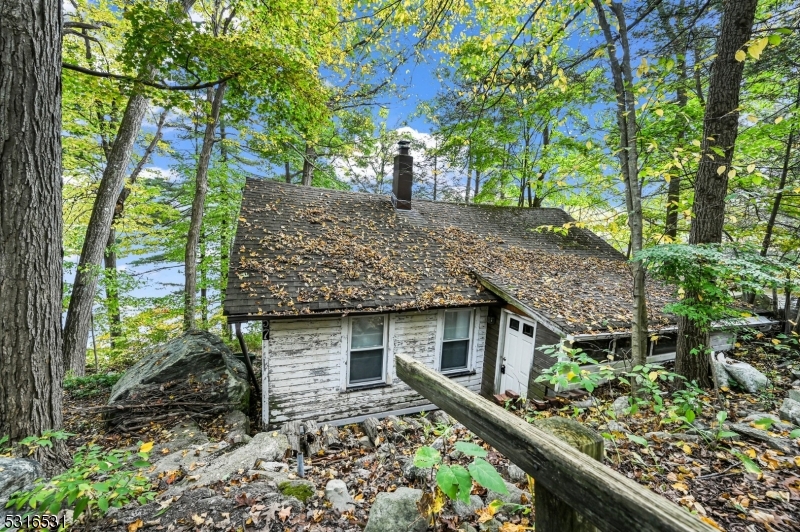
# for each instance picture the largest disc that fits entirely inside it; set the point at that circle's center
(751, 453)
(721, 170)
(145, 448)
(797, 461)
(660, 112)
(751, 167)
(709, 521)
(653, 375)
(779, 120)
(681, 486)
(732, 173)
(686, 449)
(776, 341)
(740, 55)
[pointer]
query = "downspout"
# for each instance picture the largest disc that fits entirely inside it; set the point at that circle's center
(247, 358)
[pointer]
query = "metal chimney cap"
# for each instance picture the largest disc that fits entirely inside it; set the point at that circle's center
(404, 146)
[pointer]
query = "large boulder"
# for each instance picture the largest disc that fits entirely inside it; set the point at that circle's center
(742, 373)
(197, 355)
(397, 511)
(17, 474)
(790, 411)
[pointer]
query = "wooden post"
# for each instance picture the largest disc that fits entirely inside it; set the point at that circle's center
(553, 515)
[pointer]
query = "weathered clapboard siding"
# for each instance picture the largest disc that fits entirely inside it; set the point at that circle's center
(490, 355)
(303, 365)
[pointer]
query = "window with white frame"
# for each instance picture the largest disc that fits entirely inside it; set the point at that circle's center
(456, 340)
(367, 360)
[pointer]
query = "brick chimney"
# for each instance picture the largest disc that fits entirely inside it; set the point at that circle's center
(403, 176)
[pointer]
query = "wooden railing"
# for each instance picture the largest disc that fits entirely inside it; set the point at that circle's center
(599, 496)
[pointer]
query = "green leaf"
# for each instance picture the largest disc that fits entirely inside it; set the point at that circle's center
(637, 439)
(427, 457)
(464, 482)
(775, 39)
(102, 503)
(487, 476)
(795, 433)
(749, 465)
(726, 434)
(764, 423)
(471, 449)
(80, 506)
(690, 415)
(447, 481)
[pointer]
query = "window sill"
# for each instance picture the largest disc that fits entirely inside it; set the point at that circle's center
(362, 387)
(460, 373)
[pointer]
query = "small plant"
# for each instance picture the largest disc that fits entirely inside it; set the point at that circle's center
(645, 380)
(688, 398)
(97, 480)
(567, 370)
(646, 446)
(455, 481)
(31, 443)
(91, 385)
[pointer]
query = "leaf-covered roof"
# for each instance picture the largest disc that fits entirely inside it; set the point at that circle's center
(302, 250)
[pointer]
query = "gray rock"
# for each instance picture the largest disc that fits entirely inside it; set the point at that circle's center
(586, 403)
(465, 511)
(302, 490)
(336, 492)
(515, 473)
(621, 405)
(275, 467)
(196, 354)
(440, 416)
(492, 525)
(779, 444)
(412, 472)
(747, 376)
(777, 423)
(438, 444)
(616, 426)
(17, 474)
(363, 473)
(790, 411)
(721, 376)
(365, 442)
(668, 436)
(238, 425)
(794, 395)
(397, 511)
(514, 495)
(466, 527)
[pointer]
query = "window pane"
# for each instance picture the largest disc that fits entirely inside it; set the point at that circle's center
(454, 355)
(513, 324)
(367, 332)
(456, 324)
(366, 366)
(667, 343)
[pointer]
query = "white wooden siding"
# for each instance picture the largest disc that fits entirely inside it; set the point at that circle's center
(303, 366)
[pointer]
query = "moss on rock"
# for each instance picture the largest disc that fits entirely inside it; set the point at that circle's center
(302, 490)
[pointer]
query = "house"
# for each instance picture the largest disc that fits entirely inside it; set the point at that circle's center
(341, 281)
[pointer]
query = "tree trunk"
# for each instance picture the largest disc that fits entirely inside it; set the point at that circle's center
(469, 177)
(629, 163)
(776, 205)
(435, 176)
(537, 197)
(76, 328)
(288, 171)
(30, 222)
(112, 290)
(309, 159)
(203, 284)
(195, 224)
(720, 127)
(674, 185)
(477, 182)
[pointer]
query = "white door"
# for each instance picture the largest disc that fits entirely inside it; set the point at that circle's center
(515, 366)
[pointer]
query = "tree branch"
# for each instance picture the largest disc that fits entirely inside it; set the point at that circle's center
(154, 84)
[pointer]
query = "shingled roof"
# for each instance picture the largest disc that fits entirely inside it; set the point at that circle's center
(303, 251)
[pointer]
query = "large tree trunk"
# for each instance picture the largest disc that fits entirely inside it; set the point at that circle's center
(537, 197)
(198, 204)
(76, 328)
(31, 368)
(622, 75)
(720, 127)
(112, 290)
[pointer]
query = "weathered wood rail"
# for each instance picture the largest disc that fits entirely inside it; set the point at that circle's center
(610, 501)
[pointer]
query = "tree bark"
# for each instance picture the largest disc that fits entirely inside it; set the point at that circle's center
(537, 197)
(720, 128)
(776, 205)
(76, 328)
(674, 186)
(31, 370)
(629, 163)
(469, 177)
(198, 204)
(309, 159)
